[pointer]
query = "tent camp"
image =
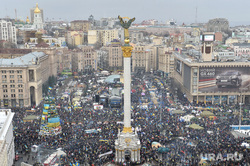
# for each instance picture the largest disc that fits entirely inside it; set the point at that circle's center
(195, 126)
(178, 112)
(187, 118)
(30, 118)
(206, 114)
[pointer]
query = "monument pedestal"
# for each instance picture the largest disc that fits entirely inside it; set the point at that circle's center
(127, 147)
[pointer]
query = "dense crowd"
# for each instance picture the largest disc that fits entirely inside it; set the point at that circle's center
(156, 123)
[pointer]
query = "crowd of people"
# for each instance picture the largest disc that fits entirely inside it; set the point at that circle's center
(156, 123)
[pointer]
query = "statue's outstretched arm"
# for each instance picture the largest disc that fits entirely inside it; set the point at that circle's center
(121, 21)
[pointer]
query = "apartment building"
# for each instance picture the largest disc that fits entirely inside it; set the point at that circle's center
(8, 31)
(80, 25)
(104, 37)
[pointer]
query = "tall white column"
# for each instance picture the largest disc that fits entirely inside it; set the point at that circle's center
(127, 91)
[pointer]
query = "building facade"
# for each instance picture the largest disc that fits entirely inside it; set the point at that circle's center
(241, 49)
(140, 58)
(7, 145)
(166, 64)
(104, 37)
(75, 38)
(80, 25)
(212, 82)
(115, 59)
(102, 59)
(22, 79)
(84, 59)
(8, 31)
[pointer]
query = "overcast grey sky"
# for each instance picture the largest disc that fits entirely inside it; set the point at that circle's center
(236, 11)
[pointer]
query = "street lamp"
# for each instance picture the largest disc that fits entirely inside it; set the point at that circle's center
(240, 114)
(241, 103)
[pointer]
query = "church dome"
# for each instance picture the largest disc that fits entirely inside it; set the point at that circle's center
(37, 10)
(27, 20)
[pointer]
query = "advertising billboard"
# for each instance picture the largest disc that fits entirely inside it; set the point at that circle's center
(208, 37)
(223, 79)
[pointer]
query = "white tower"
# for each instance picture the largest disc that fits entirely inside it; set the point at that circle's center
(127, 146)
(38, 21)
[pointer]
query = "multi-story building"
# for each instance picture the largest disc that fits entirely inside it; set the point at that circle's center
(53, 55)
(13, 53)
(64, 61)
(211, 81)
(102, 59)
(7, 145)
(51, 41)
(241, 49)
(75, 38)
(166, 63)
(84, 59)
(104, 37)
(22, 79)
(8, 31)
(136, 37)
(80, 25)
(140, 58)
(218, 25)
(115, 59)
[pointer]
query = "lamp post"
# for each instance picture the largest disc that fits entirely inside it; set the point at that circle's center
(241, 103)
(240, 114)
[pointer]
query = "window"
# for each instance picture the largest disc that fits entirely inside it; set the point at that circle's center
(20, 95)
(4, 81)
(20, 90)
(4, 86)
(20, 81)
(3, 71)
(11, 76)
(12, 86)
(5, 90)
(13, 95)
(5, 96)
(12, 81)
(19, 76)
(4, 76)
(20, 85)
(11, 71)
(12, 90)
(19, 71)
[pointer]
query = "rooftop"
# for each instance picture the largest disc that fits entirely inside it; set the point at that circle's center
(186, 58)
(242, 44)
(6, 117)
(25, 60)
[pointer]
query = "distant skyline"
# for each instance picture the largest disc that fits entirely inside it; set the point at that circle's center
(183, 11)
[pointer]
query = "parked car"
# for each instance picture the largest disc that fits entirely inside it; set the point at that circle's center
(229, 78)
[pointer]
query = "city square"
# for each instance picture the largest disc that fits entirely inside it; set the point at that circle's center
(123, 91)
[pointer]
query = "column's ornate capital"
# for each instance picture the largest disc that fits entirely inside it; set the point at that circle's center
(127, 130)
(127, 51)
